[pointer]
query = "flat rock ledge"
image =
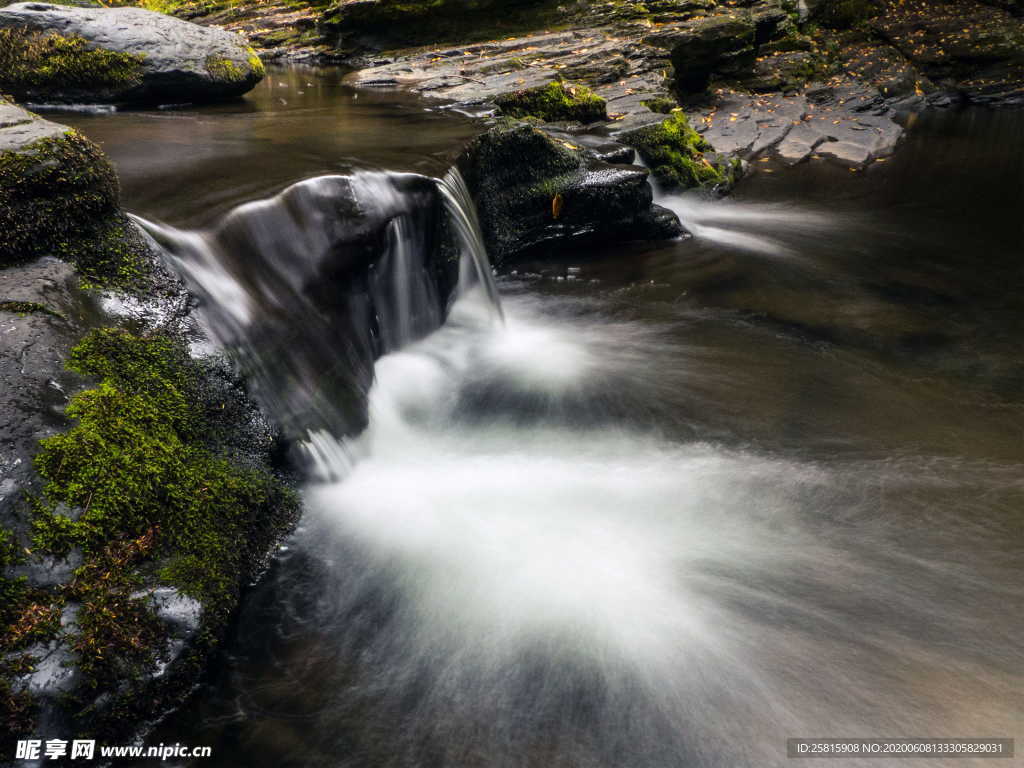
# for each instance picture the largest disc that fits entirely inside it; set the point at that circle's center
(752, 80)
(844, 120)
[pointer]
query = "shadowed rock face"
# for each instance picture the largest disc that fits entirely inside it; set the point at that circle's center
(532, 190)
(120, 55)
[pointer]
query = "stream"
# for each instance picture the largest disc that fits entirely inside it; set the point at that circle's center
(641, 506)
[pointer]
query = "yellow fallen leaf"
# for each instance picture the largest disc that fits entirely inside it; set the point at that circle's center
(556, 205)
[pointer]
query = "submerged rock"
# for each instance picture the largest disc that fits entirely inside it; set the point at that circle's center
(533, 190)
(56, 53)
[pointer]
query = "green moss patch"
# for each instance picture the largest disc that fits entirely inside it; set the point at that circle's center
(59, 196)
(255, 63)
(156, 499)
(138, 460)
(148, 486)
(227, 71)
(662, 105)
(674, 152)
(38, 65)
(555, 101)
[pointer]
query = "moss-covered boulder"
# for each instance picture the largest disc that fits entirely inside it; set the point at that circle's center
(678, 156)
(161, 495)
(59, 196)
(534, 191)
(555, 101)
(56, 53)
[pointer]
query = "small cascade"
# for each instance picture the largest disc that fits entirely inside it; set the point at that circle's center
(474, 265)
(309, 287)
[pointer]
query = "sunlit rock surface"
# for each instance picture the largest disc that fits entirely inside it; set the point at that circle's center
(120, 55)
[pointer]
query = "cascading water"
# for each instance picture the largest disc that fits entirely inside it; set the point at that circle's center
(307, 287)
(474, 265)
(526, 559)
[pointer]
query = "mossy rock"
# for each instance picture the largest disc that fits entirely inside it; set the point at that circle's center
(59, 196)
(165, 504)
(35, 64)
(553, 102)
(662, 105)
(675, 153)
(60, 54)
(534, 191)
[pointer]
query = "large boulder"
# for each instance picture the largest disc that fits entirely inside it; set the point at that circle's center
(56, 53)
(533, 190)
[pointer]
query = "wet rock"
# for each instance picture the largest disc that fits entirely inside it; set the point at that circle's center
(180, 611)
(610, 151)
(56, 53)
(884, 68)
(34, 338)
(747, 126)
(561, 193)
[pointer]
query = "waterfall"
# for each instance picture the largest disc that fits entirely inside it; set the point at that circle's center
(474, 264)
(307, 288)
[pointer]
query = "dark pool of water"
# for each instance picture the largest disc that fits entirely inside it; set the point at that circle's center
(186, 166)
(844, 353)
